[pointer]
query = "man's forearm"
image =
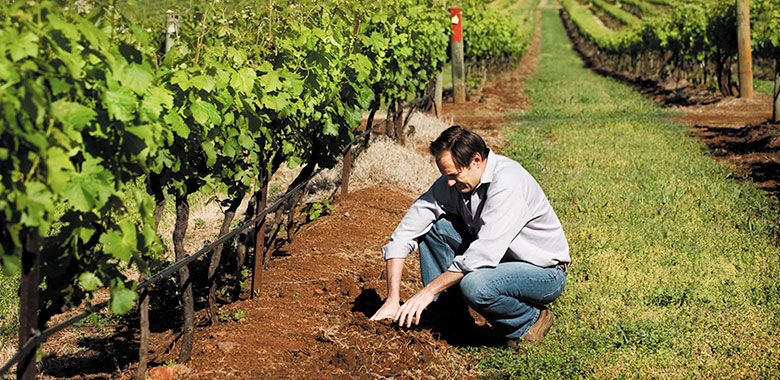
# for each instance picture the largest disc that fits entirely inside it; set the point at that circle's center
(395, 268)
(443, 281)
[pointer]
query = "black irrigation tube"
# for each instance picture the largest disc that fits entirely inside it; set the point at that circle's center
(41, 336)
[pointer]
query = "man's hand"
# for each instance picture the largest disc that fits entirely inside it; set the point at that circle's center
(413, 308)
(388, 310)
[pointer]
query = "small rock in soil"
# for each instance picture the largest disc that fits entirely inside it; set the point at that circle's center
(226, 347)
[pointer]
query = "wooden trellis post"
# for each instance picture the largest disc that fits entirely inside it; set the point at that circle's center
(28, 304)
(262, 199)
(743, 47)
(458, 65)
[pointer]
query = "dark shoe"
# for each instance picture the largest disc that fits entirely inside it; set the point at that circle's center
(539, 329)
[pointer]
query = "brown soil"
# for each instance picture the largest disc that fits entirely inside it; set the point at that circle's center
(738, 133)
(311, 317)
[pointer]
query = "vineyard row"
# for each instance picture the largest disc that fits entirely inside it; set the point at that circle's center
(102, 118)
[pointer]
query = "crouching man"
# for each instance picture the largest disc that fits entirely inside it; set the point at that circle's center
(487, 235)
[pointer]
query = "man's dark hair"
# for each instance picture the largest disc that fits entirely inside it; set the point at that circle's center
(462, 144)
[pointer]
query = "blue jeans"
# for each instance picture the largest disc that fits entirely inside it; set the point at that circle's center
(510, 296)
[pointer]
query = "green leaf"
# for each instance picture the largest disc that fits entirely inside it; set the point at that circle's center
(120, 103)
(211, 153)
(156, 98)
(121, 244)
(136, 78)
(72, 115)
(57, 163)
(244, 80)
(362, 66)
(90, 188)
(203, 82)
(38, 201)
(270, 81)
(293, 162)
(89, 282)
(177, 124)
(11, 265)
(122, 300)
(23, 46)
(330, 129)
(246, 141)
(69, 30)
(205, 113)
(238, 56)
(181, 79)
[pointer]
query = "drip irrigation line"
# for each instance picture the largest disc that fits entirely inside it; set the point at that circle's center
(41, 336)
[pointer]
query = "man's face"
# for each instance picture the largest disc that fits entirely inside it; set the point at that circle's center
(464, 179)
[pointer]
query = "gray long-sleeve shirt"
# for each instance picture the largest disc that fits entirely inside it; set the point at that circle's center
(508, 213)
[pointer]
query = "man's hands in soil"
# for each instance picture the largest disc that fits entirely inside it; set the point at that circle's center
(409, 312)
(388, 310)
(413, 308)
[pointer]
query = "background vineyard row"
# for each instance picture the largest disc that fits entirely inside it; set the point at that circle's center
(694, 39)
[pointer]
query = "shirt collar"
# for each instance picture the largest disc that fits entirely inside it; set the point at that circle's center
(490, 167)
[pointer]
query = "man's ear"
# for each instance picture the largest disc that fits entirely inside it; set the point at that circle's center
(477, 159)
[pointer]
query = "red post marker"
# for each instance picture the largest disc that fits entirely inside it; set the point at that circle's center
(457, 59)
(457, 25)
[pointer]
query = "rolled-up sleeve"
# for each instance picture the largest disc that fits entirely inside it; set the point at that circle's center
(417, 221)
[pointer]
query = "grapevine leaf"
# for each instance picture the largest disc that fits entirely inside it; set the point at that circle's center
(56, 163)
(246, 140)
(270, 81)
(89, 282)
(211, 154)
(177, 124)
(238, 56)
(244, 80)
(39, 202)
(23, 46)
(121, 244)
(287, 147)
(90, 188)
(362, 66)
(72, 115)
(203, 82)
(11, 265)
(93, 34)
(330, 129)
(180, 78)
(122, 300)
(295, 87)
(378, 41)
(365, 96)
(205, 113)
(120, 103)
(69, 30)
(59, 85)
(156, 98)
(293, 162)
(136, 79)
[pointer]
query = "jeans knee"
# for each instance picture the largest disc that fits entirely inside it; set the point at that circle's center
(441, 228)
(475, 292)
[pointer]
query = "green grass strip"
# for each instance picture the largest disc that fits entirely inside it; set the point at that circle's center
(674, 270)
(618, 14)
(594, 31)
(644, 8)
(766, 87)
